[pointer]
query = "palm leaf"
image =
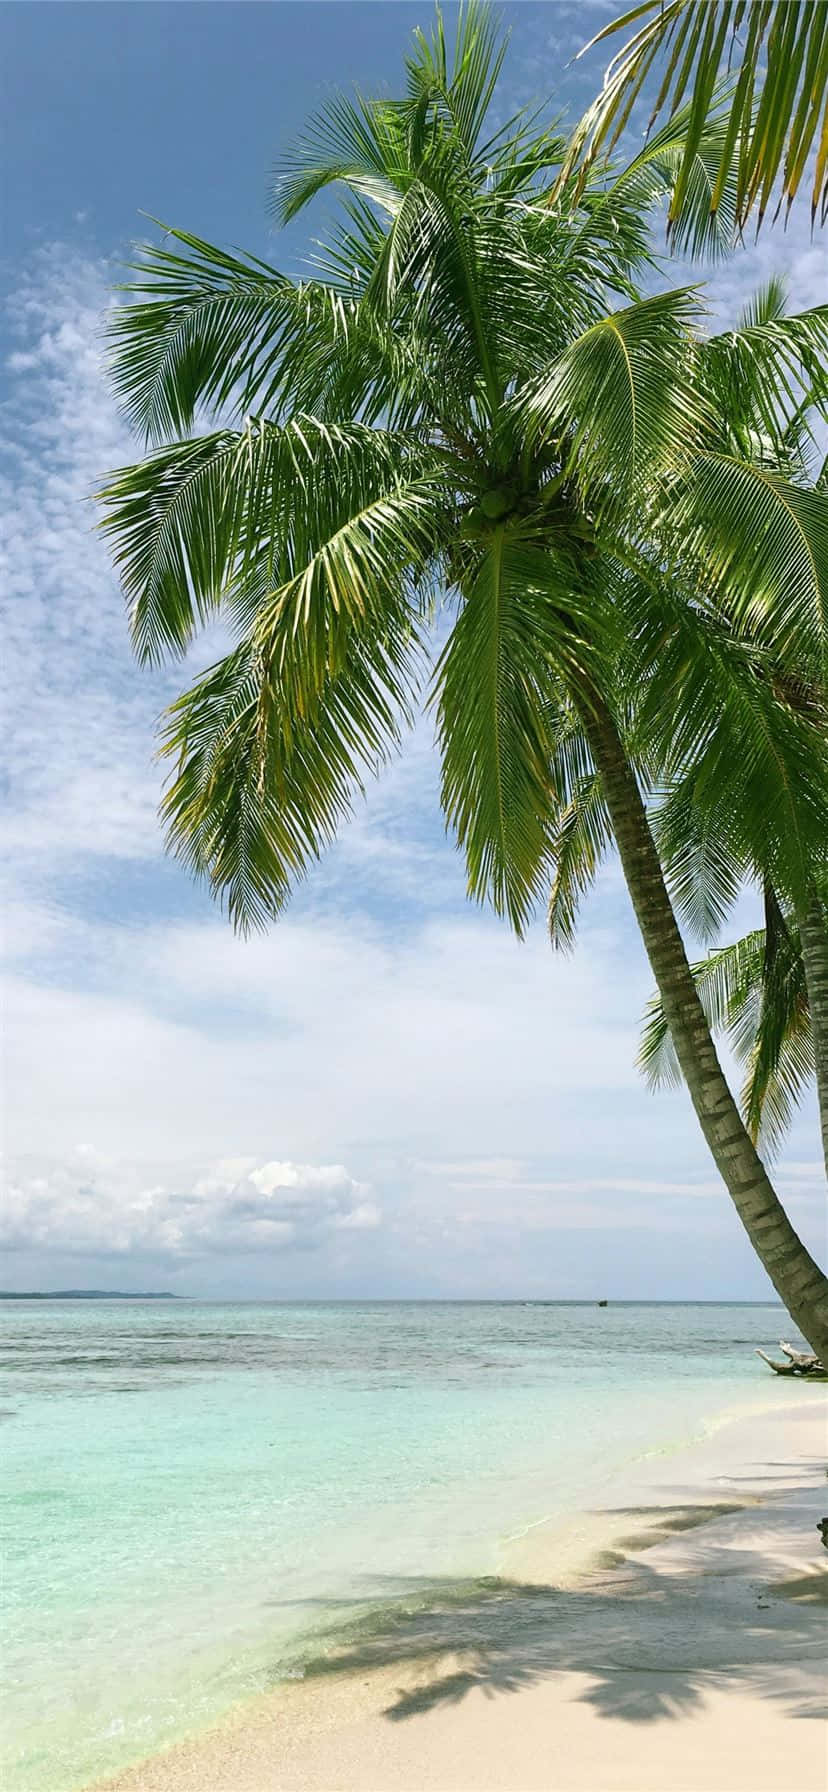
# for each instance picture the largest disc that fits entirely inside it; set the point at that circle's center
(580, 840)
(727, 980)
(622, 398)
(264, 777)
(706, 226)
(226, 519)
(360, 142)
(782, 59)
(766, 376)
(702, 864)
(739, 750)
(765, 542)
(212, 332)
(496, 697)
(754, 991)
(467, 88)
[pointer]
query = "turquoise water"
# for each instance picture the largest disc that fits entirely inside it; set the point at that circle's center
(193, 1492)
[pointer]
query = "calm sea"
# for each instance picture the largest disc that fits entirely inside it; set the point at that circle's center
(193, 1493)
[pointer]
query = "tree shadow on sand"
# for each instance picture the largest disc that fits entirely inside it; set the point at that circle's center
(653, 1636)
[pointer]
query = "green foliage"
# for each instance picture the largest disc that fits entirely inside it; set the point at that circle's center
(621, 402)
(303, 516)
(774, 114)
(470, 396)
(763, 541)
(497, 688)
(770, 381)
(700, 230)
(265, 776)
(754, 992)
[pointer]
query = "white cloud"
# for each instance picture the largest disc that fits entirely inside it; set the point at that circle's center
(78, 716)
(91, 1206)
(794, 251)
(446, 1035)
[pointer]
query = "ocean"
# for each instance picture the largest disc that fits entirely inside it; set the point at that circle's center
(197, 1496)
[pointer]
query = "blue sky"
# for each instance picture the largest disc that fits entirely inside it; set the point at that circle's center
(387, 1094)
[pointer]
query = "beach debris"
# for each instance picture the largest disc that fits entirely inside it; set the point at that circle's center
(799, 1362)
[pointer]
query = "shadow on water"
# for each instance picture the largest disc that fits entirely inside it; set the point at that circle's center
(653, 1641)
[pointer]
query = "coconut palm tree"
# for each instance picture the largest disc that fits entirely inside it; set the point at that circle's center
(701, 831)
(763, 66)
(468, 408)
(705, 826)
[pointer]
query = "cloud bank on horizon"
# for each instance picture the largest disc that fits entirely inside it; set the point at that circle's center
(385, 1095)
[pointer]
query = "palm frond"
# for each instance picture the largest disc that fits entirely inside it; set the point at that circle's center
(753, 990)
(581, 838)
(495, 694)
(702, 865)
(205, 332)
(764, 541)
(264, 776)
(778, 1049)
(729, 982)
(377, 147)
(740, 751)
(622, 398)
(462, 93)
(228, 518)
(363, 143)
(777, 103)
(702, 230)
(766, 376)
(175, 522)
(192, 333)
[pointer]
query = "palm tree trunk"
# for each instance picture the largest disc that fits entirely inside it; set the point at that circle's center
(813, 937)
(798, 1280)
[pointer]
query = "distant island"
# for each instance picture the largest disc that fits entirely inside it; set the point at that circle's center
(84, 1294)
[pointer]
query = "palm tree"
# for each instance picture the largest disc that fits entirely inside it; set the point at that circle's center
(763, 66)
(705, 825)
(754, 990)
(703, 828)
(468, 405)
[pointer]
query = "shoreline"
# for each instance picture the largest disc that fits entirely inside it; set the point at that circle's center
(670, 1632)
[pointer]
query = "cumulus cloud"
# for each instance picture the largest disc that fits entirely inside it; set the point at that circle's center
(91, 1206)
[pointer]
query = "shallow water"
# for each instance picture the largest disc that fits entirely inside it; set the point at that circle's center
(192, 1492)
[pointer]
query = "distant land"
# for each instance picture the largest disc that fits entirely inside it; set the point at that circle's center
(84, 1294)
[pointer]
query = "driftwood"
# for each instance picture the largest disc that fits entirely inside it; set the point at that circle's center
(801, 1359)
(799, 1363)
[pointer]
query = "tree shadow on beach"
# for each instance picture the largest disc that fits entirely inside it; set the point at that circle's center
(653, 1637)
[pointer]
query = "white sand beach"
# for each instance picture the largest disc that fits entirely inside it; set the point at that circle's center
(672, 1642)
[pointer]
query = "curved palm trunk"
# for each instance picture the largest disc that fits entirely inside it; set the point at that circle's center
(813, 936)
(798, 1280)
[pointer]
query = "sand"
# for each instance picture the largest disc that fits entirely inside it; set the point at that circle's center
(675, 1641)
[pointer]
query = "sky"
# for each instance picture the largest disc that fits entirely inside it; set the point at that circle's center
(386, 1095)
